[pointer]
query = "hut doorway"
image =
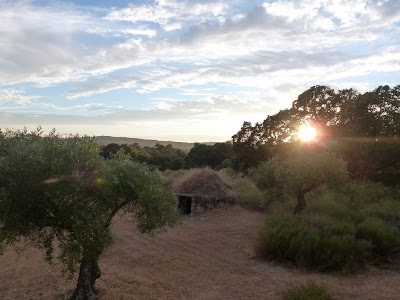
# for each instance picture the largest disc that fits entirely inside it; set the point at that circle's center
(185, 205)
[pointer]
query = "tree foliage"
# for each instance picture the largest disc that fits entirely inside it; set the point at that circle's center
(202, 155)
(347, 122)
(58, 191)
(167, 157)
(300, 173)
(160, 156)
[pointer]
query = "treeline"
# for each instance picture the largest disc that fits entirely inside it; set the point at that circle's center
(217, 156)
(342, 206)
(363, 129)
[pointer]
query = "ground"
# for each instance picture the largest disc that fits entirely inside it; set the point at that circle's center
(209, 256)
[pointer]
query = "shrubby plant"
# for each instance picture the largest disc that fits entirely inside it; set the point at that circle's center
(247, 194)
(341, 230)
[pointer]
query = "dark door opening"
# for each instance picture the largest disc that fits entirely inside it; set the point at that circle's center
(185, 205)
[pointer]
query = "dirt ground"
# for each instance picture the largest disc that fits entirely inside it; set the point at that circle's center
(208, 256)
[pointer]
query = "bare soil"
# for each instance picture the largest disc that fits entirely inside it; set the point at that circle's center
(208, 256)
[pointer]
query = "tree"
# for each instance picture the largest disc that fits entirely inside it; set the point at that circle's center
(372, 114)
(362, 128)
(376, 159)
(318, 104)
(220, 152)
(299, 174)
(110, 150)
(198, 156)
(57, 190)
(202, 155)
(248, 147)
(166, 157)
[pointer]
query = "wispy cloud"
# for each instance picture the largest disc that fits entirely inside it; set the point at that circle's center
(171, 15)
(15, 96)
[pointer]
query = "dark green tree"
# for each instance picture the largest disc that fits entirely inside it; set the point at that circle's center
(376, 159)
(220, 152)
(249, 149)
(110, 150)
(58, 192)
(166, 157)
(202, 155)
(373, 114)
(198, 156)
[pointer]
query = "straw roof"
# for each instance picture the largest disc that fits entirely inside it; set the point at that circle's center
(204, 184)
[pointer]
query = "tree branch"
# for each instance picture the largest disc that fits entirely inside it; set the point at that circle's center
(117, 208)
(310, 188)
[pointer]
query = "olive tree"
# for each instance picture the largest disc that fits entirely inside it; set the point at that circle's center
(300, 173)
(57, 192)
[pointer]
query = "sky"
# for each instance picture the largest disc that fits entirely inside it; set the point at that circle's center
(184, 70)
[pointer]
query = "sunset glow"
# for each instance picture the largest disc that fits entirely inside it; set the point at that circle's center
(184, 70)
(307, 133)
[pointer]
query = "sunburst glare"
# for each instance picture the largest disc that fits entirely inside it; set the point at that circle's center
(307, 133)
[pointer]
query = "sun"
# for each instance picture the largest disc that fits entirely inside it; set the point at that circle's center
(307, 133)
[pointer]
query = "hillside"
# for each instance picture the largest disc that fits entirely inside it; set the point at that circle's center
(105, 140)
(209, 256)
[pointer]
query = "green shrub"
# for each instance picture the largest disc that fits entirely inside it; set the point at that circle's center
(308, 291)
(313, 243)
(247, 194)
(387, 211)
(274, 241)
(383, 236)
(339, 230)
(363, 193)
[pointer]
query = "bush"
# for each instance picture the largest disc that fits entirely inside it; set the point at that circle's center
(247, 194)
(383, 236)
(308, 291)
(340, 230)
(314, 243)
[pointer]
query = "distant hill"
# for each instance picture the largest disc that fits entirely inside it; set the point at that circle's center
(105, 140)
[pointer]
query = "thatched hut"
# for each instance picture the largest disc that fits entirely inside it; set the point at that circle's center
(202, 189)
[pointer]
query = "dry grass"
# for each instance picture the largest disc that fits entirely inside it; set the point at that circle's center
(209, 256)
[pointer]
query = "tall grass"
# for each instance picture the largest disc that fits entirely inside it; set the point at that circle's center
(308, 291)
(246, 192)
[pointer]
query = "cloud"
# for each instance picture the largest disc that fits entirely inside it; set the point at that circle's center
(209, 108)
(44, 45)
(125, 31)
(277, 28)
(262, 70)
(171, 15)
(38, 44)
(15, 96)
(268, 52)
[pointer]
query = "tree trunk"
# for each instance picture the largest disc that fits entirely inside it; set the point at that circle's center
(301, 203)
(301, 198)
(89, 272)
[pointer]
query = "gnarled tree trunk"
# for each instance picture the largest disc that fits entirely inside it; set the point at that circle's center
(301, 198)
(89, 272)
(301, 203)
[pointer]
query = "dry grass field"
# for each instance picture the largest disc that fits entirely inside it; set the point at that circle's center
(208, 256)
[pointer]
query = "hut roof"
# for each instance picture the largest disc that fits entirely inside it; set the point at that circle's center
(204, 183)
